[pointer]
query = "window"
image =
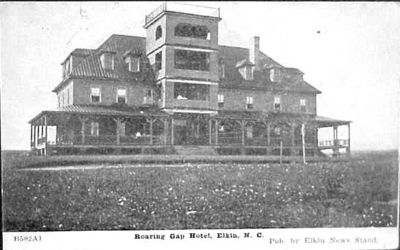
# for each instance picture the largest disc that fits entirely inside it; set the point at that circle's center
(249, 132)
(133, 63)
(149, 93)
(277, 131)
(95, 95)
(303, 105)
(220, 101)
(148, 98)
(158, 32)
(107, 60)
(158, 64)
(193, 31)
(67, 96)
(58, 100)
(186, 91)
(249, 102)
(277, 103)
(192, 60)
(121, 95)
(94, 128)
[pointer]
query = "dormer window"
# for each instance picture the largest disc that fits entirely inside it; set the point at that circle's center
(66, 68)
(107, 60)
(275, 75)
(246, 69)
(249, 102)
(121, 96)
(158, 32)
(303, 103)
(133, 63)
(277, 103)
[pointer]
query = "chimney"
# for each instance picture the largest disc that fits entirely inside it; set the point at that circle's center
(254, 51)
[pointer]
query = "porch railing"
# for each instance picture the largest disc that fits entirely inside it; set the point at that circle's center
(108, 140)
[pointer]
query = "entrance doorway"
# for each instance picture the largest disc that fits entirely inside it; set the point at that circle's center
(191, 131)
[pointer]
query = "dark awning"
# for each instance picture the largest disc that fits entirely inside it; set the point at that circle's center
(329, 122)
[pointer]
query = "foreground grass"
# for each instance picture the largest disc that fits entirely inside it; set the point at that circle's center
(340, 194)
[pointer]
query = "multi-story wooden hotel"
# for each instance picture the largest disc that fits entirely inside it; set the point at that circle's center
(178, 91)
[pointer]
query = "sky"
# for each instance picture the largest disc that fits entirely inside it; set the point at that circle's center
(349, 51)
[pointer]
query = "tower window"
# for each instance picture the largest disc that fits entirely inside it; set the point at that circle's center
(277, 103)
(303, 103)
(192, 60)
(158, 32)
(95, 95)
(158, 64)
(193, 31)
(188, 91)
(220, 101)
(249, 102)
(121, 95)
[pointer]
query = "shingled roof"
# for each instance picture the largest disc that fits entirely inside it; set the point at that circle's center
(90, 67)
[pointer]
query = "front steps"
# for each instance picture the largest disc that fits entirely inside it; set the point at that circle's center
(194, 150)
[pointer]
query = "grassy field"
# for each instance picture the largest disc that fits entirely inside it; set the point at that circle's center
(357, 193)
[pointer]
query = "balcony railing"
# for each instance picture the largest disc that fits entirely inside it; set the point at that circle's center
(333, 143)
(183, 8)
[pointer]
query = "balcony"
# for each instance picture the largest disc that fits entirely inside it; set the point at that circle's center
(182, 8)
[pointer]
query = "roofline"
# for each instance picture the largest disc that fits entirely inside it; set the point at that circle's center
(74, 53)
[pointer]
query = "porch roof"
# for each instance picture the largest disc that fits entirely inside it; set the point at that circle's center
(323, 121)
(100, 111)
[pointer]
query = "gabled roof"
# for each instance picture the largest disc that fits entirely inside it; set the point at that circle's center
(233, 57)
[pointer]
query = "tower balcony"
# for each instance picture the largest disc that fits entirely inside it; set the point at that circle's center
(182, 8)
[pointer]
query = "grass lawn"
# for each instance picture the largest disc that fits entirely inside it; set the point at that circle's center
(327, 194)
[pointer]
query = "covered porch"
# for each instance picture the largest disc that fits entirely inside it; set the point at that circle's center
(97, 129)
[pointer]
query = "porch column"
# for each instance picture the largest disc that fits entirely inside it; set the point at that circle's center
(335, 141)
(118, 130)
(243, 124)
(34, 135)
(37, 135)
(45, 135)
(83, 121)
(348, 140)
(151, 131)
(210, 131)
(216, 131)
(316, 151)
(165, 131)
(31, 135)
(293, 139)
(172, 131)
(268, 150)
(45, 128)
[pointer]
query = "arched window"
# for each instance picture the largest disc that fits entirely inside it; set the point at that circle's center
(158, 32)
(194, 31)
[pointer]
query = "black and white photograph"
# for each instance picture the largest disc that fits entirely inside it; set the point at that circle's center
(140, 125)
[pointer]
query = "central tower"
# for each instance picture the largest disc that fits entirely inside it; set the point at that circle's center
(182, 47)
